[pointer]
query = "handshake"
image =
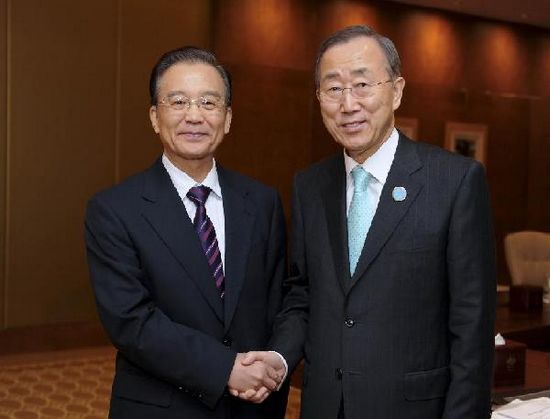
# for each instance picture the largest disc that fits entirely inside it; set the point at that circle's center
(255, 375)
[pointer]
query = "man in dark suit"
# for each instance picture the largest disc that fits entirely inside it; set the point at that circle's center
(187, 261)
(392, 286)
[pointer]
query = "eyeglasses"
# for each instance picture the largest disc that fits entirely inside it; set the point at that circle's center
(179, 103)
(358, 91)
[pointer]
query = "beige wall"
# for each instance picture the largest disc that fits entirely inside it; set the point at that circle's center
(78, 107)
(3, 127)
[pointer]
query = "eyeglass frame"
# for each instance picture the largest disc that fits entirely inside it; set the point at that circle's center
(199, 102)
(322, 93)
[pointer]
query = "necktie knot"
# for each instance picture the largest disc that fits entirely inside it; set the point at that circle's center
(199, 194)
(361, 179)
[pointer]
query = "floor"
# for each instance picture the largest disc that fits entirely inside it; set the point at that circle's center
(76, 384)
(72, 384)
(66, 384)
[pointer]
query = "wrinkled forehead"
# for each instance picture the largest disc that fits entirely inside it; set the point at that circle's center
(359, 57)
(191, 79)
(338, 74)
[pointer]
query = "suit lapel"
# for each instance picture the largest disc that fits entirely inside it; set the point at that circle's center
(166, 214)
(239, 220)
(334, 195)
(389, 211)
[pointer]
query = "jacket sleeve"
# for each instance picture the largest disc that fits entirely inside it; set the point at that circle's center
(276, 268)
(292, 322)
(146, 336)
(276, 271)
(472, 295)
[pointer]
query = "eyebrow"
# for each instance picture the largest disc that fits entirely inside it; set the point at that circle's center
(212, 93)
(204, 93)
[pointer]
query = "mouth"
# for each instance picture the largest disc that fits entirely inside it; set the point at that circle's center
(353, 126)
(192, 135)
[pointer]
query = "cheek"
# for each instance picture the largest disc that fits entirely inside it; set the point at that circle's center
(374, 105)
(332, 127)
(329, 118)
(380, 113)
(165, 124)
(383, 104)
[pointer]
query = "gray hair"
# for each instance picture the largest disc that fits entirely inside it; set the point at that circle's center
(190, 55)
(351, 32)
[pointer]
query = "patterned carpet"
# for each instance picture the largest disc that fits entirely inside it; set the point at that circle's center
(72, 384)
(66, 384)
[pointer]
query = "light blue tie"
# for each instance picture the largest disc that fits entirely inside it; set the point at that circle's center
(361, 212)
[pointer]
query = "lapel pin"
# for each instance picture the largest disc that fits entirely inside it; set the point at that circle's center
(399, 193)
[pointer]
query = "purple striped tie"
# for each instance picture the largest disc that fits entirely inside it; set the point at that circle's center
(207, 234)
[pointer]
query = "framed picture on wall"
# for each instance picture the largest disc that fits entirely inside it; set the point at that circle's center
(408, 126)
(467, 139)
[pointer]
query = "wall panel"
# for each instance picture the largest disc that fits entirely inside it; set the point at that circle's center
(538, 175)
(541, 67)
(3, 149)
(436, 56)
(275, 33)
(270, 129)
(61, 150)
(499, 58)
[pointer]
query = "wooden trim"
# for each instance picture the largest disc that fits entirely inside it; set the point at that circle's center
(52, 337)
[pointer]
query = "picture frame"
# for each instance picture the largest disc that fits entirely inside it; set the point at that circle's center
(467, 139)
(408, 126)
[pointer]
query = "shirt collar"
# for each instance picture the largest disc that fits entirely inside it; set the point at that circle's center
(379, 164)
(183, 182)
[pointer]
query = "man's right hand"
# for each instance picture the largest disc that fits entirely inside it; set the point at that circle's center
(252, 380)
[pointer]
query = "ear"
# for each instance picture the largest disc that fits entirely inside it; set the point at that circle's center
(398, 86)
(228, 115)
(154, 118)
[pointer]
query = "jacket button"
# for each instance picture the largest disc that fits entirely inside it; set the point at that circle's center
(349, 322)
(339, 373)
(227, 341)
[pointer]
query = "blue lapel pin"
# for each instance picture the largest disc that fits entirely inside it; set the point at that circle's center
(399, 193)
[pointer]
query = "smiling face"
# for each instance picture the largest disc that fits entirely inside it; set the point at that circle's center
(359, 125)
(190, 136)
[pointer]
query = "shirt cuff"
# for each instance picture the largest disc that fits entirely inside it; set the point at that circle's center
(286, 369)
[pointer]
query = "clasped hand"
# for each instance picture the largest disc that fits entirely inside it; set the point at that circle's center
(255, 375)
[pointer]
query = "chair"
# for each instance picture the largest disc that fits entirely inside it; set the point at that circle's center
(528, 257)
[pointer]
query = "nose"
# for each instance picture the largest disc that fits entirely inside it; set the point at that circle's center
(348, 103)
(193, 114)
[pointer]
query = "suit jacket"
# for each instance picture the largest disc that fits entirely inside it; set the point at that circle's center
(156, 297)
(410, 334)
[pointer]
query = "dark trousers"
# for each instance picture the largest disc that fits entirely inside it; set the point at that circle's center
(341, 411)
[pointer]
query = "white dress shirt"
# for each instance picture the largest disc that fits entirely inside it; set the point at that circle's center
(214, 204)
(378, 165)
